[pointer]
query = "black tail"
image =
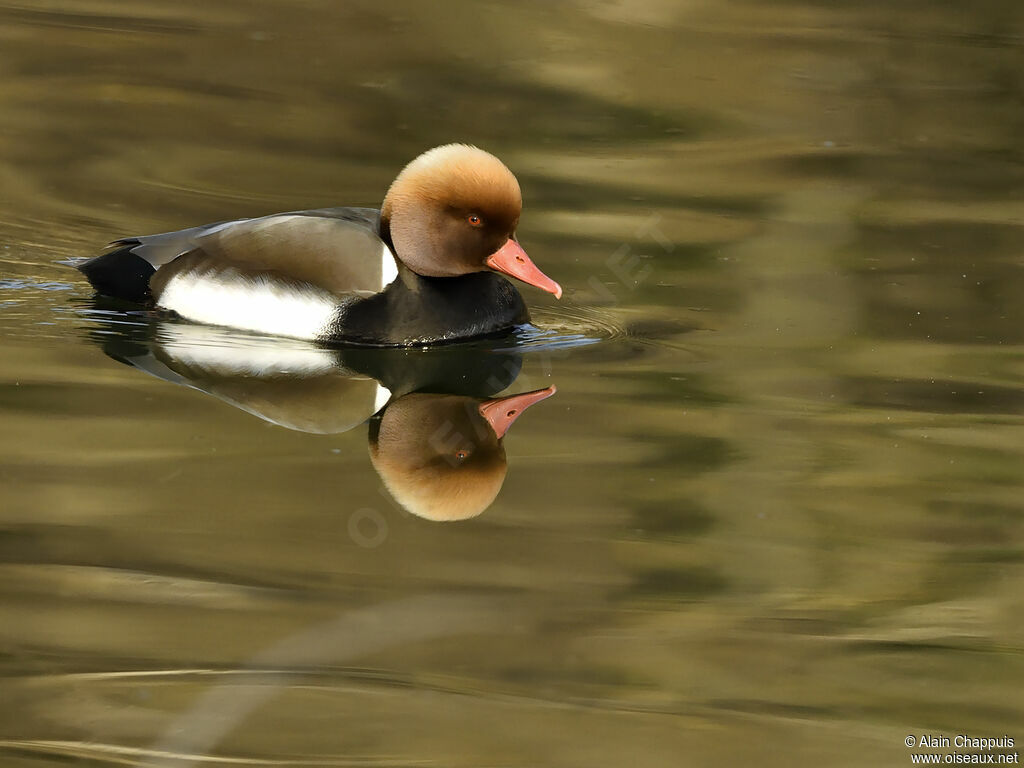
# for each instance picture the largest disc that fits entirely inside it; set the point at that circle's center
(120, 273)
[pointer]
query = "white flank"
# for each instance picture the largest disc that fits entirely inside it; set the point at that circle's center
(263, 304)
(388, 266)
(381, 398)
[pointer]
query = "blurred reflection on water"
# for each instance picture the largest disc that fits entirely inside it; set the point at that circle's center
(436, 428)
(773, 513)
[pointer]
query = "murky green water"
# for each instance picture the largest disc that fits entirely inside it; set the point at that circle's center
(773, 514)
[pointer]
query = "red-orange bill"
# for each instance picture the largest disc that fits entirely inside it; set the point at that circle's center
(502, 411)
(512, 260)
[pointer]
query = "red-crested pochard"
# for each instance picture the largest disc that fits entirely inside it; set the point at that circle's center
(421, 270)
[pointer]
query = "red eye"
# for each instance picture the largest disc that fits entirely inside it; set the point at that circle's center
(474, 220)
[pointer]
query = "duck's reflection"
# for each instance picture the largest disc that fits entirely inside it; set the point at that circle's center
(436, 422)
(441, 456)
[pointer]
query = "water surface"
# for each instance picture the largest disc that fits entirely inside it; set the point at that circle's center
(773, 513)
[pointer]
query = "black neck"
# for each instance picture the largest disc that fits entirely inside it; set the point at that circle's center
(416, 310)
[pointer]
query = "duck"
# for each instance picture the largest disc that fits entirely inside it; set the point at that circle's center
(426, 268)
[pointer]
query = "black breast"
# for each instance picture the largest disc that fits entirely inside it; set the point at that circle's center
(415, 310)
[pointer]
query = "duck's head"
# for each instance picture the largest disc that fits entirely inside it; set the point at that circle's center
(454, 210)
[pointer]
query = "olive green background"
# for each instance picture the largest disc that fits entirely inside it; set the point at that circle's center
(774, 513)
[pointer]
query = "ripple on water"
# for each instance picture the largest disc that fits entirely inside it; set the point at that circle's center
(554, 329)
(567, 326)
